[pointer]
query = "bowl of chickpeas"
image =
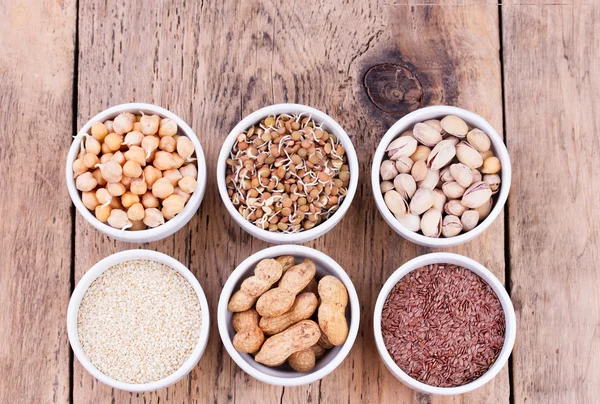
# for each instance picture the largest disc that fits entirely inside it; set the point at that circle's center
(136, 172)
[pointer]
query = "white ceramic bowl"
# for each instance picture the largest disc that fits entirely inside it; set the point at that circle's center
(284, 375)
(407, 123)
(94, 273)
(306, 235)
(171, 226)
(489, 278)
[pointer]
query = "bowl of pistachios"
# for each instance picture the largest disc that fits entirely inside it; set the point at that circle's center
(440, 176)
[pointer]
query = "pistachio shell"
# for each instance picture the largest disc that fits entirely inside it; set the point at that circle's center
(461, 174)
(491, 165)
(445, 175)
(386, 186)
(476, 195)
(431, 179)
(431, 223)
(439, 199)
(404, 164)
(421, 201)
(410, 221)
(395, 203)
(453, 189)
(476, 175)
(402, 146)
(426, 135)
(422, 153)
(405, 185)
(469, 220)
(435, 124)
(479, 140)
(451, 226)
(454, 207)
(388, 170)
(485, 209)
(419, 170)
(441, 155)
(467, 155)
(455, 126)
(493, 180)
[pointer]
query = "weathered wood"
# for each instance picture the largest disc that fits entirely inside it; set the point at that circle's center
(552, 84)
(36, 87)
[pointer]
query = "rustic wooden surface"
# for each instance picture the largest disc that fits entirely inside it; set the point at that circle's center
(366, 63)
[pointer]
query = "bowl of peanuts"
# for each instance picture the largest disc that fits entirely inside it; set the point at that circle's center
(136, 172)
(288, 315)
(287, 173)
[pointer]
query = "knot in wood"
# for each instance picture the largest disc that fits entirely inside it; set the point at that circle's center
(393, 88)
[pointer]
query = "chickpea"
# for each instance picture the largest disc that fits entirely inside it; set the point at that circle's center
(103, 196)
(109, 126)
(173, 175)
(162, 188)
(89, 200)
(132, 169)
(119, 220)
(491, 165)
(149, 200)
(119, 157)
(184, 195)
(79, 167)
(116, 188)
(98, 176)
(185, 147)
(136, 211)
(168, 127)
(137, 154)
(167, 143)
(90, 160)
(105, 157)
(131, 116)
(149, 144)
(102, 213)
(151, 174)
(137, 127)
(126, 181)
(189, 170)
(133, 138)
(99, 131)
(150, 124)
(163, 160)
(129, 199)
(115, 203)
(104, 149)
(122, 124)
(138, 186)
(187, 184)
(111, 171)
(178, 160)
(92, 145)
(113, 141)
(172, 206)
(153, 217)
(137, 224)
(86, 182)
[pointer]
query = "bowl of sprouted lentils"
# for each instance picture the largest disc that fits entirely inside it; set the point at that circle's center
(444, 324)
(287, 173)
(138, 321)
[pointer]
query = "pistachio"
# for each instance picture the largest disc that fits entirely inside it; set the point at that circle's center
(441, 155)
(476, 175)
(493, 180)
(419, 170)
(461, 174)
(410, 221)
(402, 146)
(431, 179)
(454, 126)
(388, 170)
(469, 220)
(467, 155)
(439, 199)
(453, 189)
(446, 175)
(404, 164)
(421, 201)
(451, 226)
(405, 185)
(435, 124)
(395, 202)
(422, 153)
(426, 134)
(454, 207)
(491, 165)
(431, 223)
(479, 140)
(476, 195)
(485, 209)
(386, 186)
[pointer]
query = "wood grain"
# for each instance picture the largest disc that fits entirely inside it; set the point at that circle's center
(552, 86)
(36, 87)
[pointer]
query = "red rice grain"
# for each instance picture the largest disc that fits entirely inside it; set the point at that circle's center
(443, 325)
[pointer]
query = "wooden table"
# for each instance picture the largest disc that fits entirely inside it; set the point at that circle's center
(532, 70)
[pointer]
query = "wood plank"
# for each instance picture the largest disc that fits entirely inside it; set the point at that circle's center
(217, 61)
(36, 87)
(552, 85)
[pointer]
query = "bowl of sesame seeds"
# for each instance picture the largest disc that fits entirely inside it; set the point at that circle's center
(138, 321)
(287, 173)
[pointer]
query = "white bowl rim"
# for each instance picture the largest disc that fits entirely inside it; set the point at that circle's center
(98, 269)
(489, 278)
(305, 235)
(171, 226)
(275, 251)
(432, 112)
